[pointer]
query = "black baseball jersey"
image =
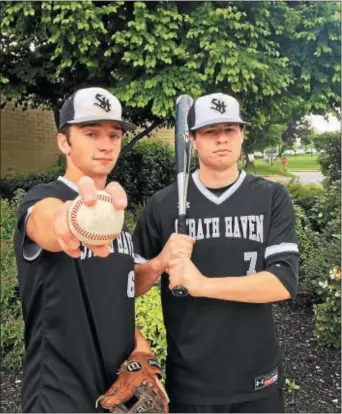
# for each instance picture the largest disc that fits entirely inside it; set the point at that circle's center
(78, 313)
(221, 351)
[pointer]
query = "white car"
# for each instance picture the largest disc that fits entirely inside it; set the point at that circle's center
(289, 152)
(311, 151)
(300, 151)
(258, 154)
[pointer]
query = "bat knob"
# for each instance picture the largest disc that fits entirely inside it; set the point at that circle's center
(179, 291)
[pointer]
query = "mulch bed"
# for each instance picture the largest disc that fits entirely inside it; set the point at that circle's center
(316, 370)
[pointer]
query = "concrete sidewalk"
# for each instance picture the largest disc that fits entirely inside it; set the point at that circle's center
(305, 177)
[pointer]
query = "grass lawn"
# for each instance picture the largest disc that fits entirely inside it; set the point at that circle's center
(296, 163)
(302, 162)
(264, 168)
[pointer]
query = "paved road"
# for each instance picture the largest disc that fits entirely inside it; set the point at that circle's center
(307, 177)
(304, 177)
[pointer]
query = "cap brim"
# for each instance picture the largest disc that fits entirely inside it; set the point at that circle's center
(219, 121)
(126, 126)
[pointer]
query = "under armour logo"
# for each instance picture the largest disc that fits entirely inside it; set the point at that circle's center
(219, 106)
(103, 102)
(187, 204)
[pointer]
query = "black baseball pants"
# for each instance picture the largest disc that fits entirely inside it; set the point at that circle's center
(273, 403)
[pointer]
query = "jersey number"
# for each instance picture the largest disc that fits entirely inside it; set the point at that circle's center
(252, 257)
(130, 285)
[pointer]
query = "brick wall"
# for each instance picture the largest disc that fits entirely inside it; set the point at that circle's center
(28, 140)
(165, 134)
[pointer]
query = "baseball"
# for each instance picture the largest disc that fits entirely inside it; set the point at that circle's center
(98, 224)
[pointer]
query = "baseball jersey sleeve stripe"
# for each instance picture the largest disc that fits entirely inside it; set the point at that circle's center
(281, 248)
(30, 249)
(139, 259)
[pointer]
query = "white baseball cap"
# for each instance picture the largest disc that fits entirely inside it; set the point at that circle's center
(90, 105)
(216, 108)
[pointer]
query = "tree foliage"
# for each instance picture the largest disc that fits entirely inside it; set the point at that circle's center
(276, 57)
(329, 146)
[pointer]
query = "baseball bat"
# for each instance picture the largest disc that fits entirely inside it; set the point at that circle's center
(183, 162)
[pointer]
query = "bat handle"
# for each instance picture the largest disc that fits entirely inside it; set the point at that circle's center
(182, 224)
(180, 291)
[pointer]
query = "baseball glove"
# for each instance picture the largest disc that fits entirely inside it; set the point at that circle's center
(137, 388)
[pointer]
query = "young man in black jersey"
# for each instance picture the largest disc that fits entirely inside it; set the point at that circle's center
(239, 256)
(77, 300)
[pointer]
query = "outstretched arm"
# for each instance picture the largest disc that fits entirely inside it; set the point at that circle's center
(47, 223)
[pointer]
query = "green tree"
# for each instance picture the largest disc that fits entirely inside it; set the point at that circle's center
(292, 131)
(276, 57)
(329, 146)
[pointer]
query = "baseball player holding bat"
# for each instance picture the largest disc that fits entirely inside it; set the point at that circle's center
(78, 298)
(240, 254)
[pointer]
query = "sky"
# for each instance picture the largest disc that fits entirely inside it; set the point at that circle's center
(320, 125)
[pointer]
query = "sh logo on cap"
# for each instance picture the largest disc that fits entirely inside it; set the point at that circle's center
(216, 108)
(90, 105)
(102, 102)
(218, 105)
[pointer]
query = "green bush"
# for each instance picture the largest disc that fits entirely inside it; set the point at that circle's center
(133, 216)
(149, 319)
(326, 213)
(328, 313)
(330, 159)
(317, 264)
(12, 325)
(320, 259)
(305, 195)
(8, 220)
(147, 168)
(9, 214)
(308, 243)
(10, 185)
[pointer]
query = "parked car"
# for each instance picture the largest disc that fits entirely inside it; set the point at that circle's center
(289, 152)
(311, 151)
(258, 154)
(300, 151)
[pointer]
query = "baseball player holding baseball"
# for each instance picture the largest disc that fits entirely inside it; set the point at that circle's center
(77, 298)
(239, 256)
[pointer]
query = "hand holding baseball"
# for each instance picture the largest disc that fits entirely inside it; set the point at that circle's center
(178, 245)
(183, 272)
(95, 218)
